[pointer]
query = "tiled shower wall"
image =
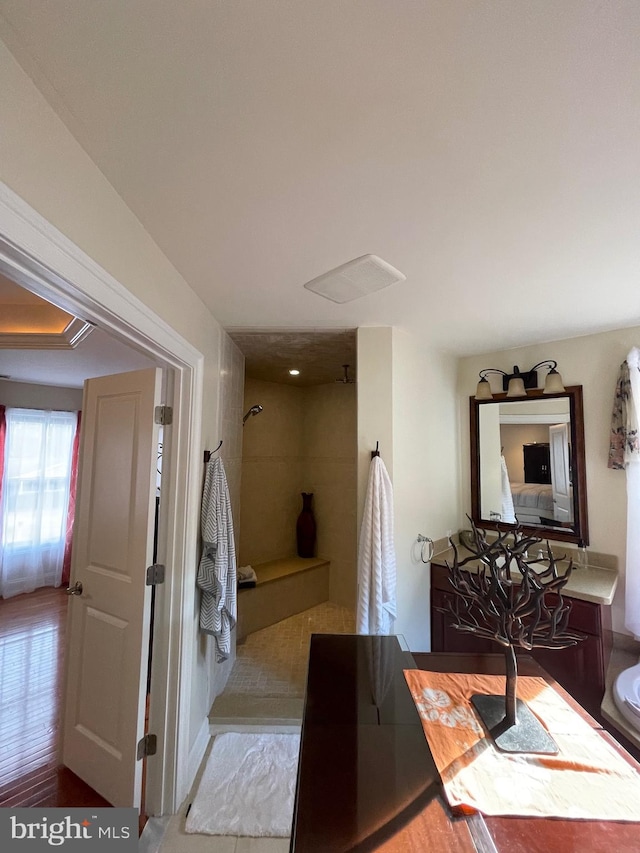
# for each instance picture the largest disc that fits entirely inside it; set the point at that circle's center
(271, 472)
(330, 472)
(231, 402)
(304, 440)
(230, 426)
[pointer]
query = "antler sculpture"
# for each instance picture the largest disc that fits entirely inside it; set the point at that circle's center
(503, 596)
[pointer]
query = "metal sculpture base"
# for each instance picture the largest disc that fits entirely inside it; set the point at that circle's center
(527, 735)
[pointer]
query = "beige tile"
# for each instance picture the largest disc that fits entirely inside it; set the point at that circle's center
(266, 689)
(176, 840)
(270, 504)
(277, 431)
(273, 662)
(330, 421)
(343, 583)
(262, 845)
(621, 659)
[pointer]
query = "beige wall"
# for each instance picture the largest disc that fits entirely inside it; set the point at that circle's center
(44, 165)
(25, 395)
(407, 402)
(231, 400)
(425, 471)
(231, 403)
(303, 441)
(591, 361)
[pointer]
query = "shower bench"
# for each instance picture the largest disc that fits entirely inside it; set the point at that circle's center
(284, 587)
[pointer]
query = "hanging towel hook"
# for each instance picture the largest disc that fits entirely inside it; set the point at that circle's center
(207, 453)
(375, 452)
(426, 544)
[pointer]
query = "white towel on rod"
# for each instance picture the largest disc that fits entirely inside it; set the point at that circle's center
(508, 512)
(376, 556)
(217, 570)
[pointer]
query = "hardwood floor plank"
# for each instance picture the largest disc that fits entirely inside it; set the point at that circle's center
(32, 647)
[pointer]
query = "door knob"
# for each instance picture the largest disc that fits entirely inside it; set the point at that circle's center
(76, 589)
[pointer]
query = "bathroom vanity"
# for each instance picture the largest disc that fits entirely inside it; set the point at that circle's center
(580, 669)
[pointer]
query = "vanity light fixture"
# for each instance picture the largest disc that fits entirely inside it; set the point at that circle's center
(517, 383)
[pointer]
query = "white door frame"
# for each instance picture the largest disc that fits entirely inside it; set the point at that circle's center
(38, 256)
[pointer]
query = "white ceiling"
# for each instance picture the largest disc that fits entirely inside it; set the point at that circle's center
(487, 149)
(97, 355)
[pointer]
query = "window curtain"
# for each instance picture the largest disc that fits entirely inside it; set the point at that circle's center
(624, 453)
(3, 430)
(34, 505)
(71, 509)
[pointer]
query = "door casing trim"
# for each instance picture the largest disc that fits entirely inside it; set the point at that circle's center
(38, 256)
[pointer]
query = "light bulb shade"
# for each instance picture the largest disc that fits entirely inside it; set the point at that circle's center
(483, 390)
(516, 387)
(553, 383)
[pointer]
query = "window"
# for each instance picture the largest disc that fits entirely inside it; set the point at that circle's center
(36, 482)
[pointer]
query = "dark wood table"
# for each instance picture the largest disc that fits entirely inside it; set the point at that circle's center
(366, 778)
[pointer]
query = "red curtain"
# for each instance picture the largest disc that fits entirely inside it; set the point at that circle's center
(71, 512)
(3, 432)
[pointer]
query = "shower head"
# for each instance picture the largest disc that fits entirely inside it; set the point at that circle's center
(346, 379)
(254, 410)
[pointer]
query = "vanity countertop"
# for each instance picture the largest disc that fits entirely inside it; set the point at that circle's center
(588, 583)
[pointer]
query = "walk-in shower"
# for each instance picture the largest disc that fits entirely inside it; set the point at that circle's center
(254, 410)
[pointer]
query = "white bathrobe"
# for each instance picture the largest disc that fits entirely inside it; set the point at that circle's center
(217, 571)
(376, 556)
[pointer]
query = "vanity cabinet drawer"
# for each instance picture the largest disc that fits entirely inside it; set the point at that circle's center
(584, 617)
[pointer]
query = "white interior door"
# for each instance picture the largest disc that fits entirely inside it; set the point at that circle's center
(107, 649)
(560, 476)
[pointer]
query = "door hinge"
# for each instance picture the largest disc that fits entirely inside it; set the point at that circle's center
(148, 745)
(164, 415)
(155, 574)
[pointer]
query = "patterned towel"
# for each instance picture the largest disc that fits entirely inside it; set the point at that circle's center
(217, 570)
(587, 779)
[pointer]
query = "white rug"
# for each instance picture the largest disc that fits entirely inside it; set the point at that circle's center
(247, 787)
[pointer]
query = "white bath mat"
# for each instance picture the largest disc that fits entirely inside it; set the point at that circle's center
(247, 787)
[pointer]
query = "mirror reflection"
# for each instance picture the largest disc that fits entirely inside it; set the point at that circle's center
(528, 464)
(532, 440)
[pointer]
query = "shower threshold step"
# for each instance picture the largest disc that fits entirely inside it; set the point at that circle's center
(245, 709)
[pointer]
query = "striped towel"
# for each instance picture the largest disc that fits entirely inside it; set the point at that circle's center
(217, 570)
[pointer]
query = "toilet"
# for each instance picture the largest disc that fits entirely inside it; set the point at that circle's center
(626, 695)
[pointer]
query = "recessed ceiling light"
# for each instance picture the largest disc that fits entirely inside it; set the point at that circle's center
(355, 279)
(294, 372)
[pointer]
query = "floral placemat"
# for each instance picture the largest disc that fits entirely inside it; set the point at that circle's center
(587, 779)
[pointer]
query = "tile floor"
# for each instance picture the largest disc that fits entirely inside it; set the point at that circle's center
(273, 662)
(621, 658)
(271, 665)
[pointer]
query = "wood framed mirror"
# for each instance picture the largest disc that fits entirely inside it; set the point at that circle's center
(528, 464)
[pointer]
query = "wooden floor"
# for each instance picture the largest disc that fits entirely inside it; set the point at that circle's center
(32, 649)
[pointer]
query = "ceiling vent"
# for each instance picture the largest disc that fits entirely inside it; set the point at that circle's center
(355, 279)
